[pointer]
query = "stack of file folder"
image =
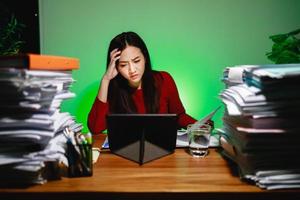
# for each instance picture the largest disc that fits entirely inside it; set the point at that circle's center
(261, 123)
(32, 143)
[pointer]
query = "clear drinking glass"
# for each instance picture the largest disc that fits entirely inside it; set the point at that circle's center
(199, 140)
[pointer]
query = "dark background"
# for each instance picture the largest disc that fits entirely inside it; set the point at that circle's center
(27, 13)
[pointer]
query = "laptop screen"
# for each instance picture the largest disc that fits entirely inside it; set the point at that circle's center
(142, 137)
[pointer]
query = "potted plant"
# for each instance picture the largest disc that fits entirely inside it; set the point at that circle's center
(286, 48)
(10, 36)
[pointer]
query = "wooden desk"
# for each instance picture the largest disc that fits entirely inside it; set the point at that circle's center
(177, 176)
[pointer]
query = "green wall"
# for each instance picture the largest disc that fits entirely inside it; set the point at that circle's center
(192, 39)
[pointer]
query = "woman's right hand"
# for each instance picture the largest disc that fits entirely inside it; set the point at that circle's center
(112, 71)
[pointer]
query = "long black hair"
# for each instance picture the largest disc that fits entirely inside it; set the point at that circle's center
(119, 92)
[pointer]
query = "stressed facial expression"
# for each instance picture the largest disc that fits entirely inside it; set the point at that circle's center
(132, 66)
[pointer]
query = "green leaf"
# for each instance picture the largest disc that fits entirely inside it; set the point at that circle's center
(295, 32)
(10, 41)
(278, 38)
(286, 48)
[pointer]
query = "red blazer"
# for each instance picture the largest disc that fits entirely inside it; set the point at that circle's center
(169, 103)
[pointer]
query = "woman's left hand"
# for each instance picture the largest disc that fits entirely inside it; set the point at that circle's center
(211, 123)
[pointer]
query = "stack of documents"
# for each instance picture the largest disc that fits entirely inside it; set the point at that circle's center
(32, 144)
(261, 123)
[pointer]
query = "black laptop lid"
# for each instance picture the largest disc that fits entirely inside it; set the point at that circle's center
(142, 137)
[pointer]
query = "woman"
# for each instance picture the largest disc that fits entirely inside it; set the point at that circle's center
(131, 86)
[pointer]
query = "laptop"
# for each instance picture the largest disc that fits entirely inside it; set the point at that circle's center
(142, 137)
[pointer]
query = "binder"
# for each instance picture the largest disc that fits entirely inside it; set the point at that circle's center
(39, 62)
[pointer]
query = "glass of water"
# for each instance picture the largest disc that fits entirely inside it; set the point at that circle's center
(199, 140)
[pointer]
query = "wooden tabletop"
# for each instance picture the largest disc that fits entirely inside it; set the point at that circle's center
(176, 176)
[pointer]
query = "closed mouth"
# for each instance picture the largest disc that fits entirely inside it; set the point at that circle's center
(134, 76)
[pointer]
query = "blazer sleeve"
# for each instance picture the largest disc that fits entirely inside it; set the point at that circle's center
(97, 117)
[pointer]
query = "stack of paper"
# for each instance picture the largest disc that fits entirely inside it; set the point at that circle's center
(261, 123)
(32, 143)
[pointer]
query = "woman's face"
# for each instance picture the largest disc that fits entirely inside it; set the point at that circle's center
(132, 66)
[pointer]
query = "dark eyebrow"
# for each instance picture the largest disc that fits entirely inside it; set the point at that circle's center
(123, 61)
(136, 58)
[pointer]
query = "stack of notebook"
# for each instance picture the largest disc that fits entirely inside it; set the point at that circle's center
(32, 144)
(261, 123)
